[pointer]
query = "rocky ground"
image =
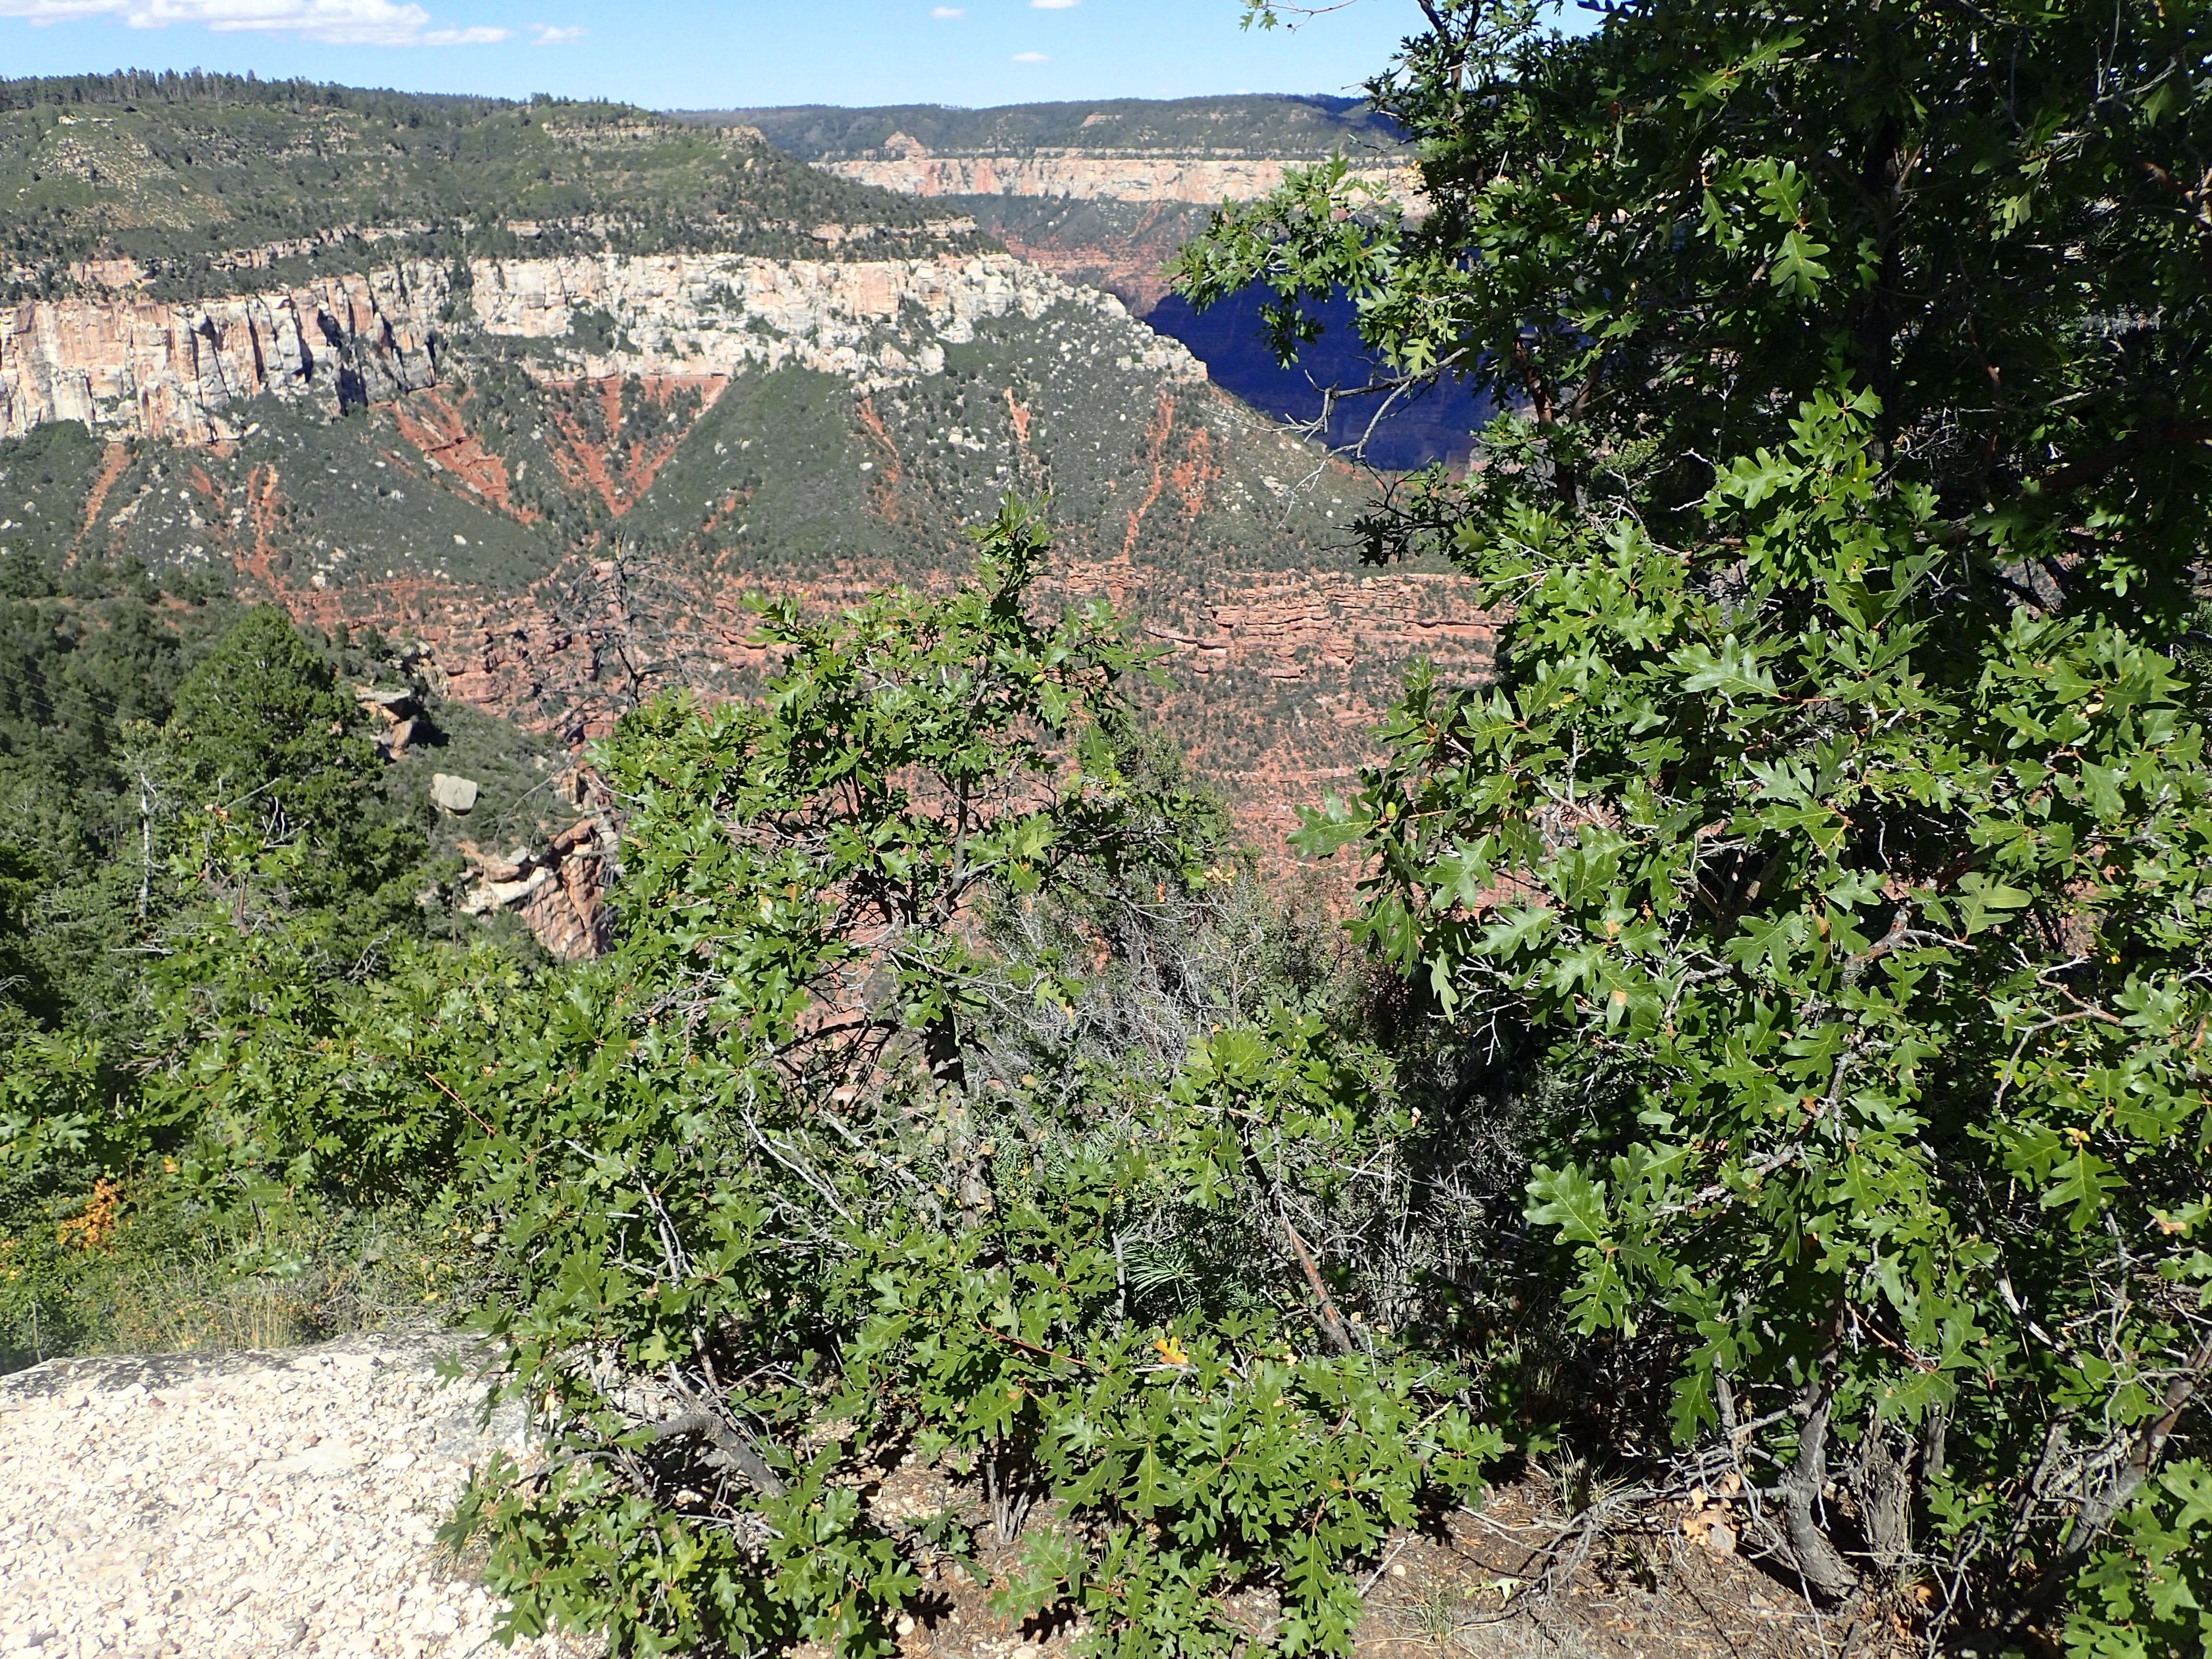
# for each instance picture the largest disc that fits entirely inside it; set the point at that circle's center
(245, 1505)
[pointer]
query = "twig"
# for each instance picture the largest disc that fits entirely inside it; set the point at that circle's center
(459, 1101)
(1329, 1321)
(1031, 1347)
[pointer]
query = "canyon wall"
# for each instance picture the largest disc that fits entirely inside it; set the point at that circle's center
(1116, 219)
(449, 514)
(1093, 175)
(564, 469)
(875, 323)
(127, 367)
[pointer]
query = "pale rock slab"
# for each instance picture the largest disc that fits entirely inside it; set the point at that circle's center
(456, 795)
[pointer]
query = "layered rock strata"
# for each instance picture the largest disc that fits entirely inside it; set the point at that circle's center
(1095, 175)
(130, 368)
(872, 322)
(1287, 625)
(134, 367)
(558, 890)
(1274, 679)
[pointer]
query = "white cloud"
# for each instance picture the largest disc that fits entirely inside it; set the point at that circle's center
(548, 35)
(334, 22)
(948, 12)
(1053, 5)
(1031, 58)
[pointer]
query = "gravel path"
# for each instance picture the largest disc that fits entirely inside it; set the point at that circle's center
(243, 1505)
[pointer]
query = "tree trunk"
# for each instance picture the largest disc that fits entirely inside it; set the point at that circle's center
(940, 1048)
(1884, 1481)
(1817, 1559)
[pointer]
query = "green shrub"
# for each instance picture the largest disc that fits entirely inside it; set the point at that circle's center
(762, 1229)
(1838, 830)
(908, 1119)
(2148, 1590)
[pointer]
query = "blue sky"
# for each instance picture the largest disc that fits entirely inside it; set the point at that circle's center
(698, 54)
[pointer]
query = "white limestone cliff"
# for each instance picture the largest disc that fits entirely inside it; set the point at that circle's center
(1095, 175)
(129, 367)
(126, 366)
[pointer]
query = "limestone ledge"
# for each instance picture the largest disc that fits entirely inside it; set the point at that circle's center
(875, 322)
(133, 368)
(136, 368)
(1097, 177)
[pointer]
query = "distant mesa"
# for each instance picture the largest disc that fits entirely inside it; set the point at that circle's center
(1105, 194)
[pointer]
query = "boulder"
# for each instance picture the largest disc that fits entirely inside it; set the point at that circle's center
(456, 795)
(493, 868)
(387, 705)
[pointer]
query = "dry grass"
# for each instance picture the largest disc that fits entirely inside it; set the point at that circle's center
(125, 1275)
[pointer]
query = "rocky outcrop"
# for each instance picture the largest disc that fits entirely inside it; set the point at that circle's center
(398, 716)
(139, 367)
(873, 322)
(558, 890)
(128, 366)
